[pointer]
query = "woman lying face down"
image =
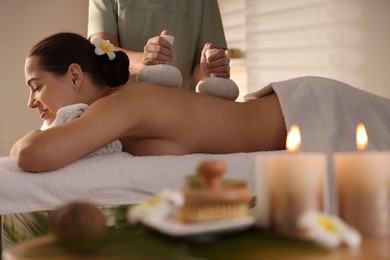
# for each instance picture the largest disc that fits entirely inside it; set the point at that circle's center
(148, 119)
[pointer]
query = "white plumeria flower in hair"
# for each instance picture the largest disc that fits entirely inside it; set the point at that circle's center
(104, 47)
(329, 231)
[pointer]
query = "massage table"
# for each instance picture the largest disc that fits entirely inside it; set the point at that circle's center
(111, 179)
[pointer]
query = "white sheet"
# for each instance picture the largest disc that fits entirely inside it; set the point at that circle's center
(107, 179)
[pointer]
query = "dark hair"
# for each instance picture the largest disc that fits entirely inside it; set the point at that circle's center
(58, 51)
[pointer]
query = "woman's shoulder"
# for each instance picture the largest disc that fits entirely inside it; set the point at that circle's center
(149, 90)
(133, 87)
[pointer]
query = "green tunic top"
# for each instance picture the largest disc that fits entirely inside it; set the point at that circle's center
(133, 22)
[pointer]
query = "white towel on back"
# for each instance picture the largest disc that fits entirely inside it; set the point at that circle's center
(327, 112)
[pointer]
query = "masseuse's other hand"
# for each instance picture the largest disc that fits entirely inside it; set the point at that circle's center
(158, 50)
(217, 64)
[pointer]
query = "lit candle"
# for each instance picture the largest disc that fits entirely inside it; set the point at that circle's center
(363, 187)
(289, 184)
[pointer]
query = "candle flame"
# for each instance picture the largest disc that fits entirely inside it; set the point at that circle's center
(293, 139)
(361, 137)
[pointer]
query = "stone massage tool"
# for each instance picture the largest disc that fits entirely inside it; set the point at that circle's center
(218, 87)
(161, 74)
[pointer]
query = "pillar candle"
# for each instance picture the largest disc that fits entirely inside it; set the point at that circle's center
(289, 184)
(363, 188)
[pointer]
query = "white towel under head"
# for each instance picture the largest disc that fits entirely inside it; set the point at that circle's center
(70, 112)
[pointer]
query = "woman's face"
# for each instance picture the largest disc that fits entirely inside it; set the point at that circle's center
(48, 92)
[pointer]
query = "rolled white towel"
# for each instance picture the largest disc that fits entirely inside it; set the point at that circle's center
(70, 112)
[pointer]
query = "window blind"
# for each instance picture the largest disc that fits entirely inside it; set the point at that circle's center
(287, 39)
(233, 14)
(2, 87)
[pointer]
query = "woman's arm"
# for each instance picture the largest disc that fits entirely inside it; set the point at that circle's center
(54, 148)
(103, 122)
(38, 151)
(22, 143)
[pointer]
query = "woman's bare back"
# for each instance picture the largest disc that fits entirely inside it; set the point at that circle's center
(175, 121)
(154, 120)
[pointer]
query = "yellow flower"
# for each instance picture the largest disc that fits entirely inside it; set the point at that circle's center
(326, 223)
(104, 47)
(329, 231)
(161, 206)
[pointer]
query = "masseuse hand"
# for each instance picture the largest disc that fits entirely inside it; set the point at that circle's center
(217, 64)
(158, 50)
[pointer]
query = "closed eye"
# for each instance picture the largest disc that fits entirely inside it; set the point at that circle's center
(35, 88)
(33, 84)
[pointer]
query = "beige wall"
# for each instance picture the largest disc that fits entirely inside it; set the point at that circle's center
(23, 23)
